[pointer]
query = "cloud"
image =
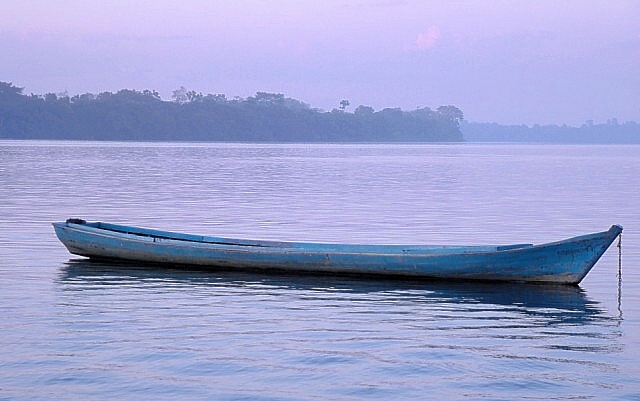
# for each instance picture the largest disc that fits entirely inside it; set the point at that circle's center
(428, 38)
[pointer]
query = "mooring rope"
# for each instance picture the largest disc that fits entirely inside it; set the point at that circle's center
(620, 276)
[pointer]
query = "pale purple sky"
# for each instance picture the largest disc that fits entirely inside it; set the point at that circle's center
(538, 61)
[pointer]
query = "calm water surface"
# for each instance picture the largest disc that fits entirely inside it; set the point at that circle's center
(73, 329)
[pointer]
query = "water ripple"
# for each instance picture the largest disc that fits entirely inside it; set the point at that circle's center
(74, 329)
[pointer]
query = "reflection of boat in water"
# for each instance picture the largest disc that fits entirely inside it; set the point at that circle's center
(557, 302)
(563, 262)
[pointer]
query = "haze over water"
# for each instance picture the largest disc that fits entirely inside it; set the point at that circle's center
(525, 62)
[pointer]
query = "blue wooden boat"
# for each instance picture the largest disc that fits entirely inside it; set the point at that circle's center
(566, 262)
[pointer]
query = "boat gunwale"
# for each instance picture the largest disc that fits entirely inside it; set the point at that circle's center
(242, 245)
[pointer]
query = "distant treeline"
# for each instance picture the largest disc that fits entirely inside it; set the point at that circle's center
(191, 116)
(610, 132)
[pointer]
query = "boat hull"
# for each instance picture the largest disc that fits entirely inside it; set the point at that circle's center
(566, 262)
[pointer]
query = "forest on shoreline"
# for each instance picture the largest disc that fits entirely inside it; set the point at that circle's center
(611, 131)
(131, 115)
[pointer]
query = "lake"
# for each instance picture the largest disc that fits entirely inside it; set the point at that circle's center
(73, 329)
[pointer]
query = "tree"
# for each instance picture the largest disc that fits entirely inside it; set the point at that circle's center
(425, 113)
(451, 112)
(154, 94)
(363, 110)
(344, 103)
(266, 97)
(217, 98)
(50, 98)
(180, 95)
(193, 96)
(8, 90)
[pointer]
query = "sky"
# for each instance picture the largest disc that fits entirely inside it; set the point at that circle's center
(510, 62)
